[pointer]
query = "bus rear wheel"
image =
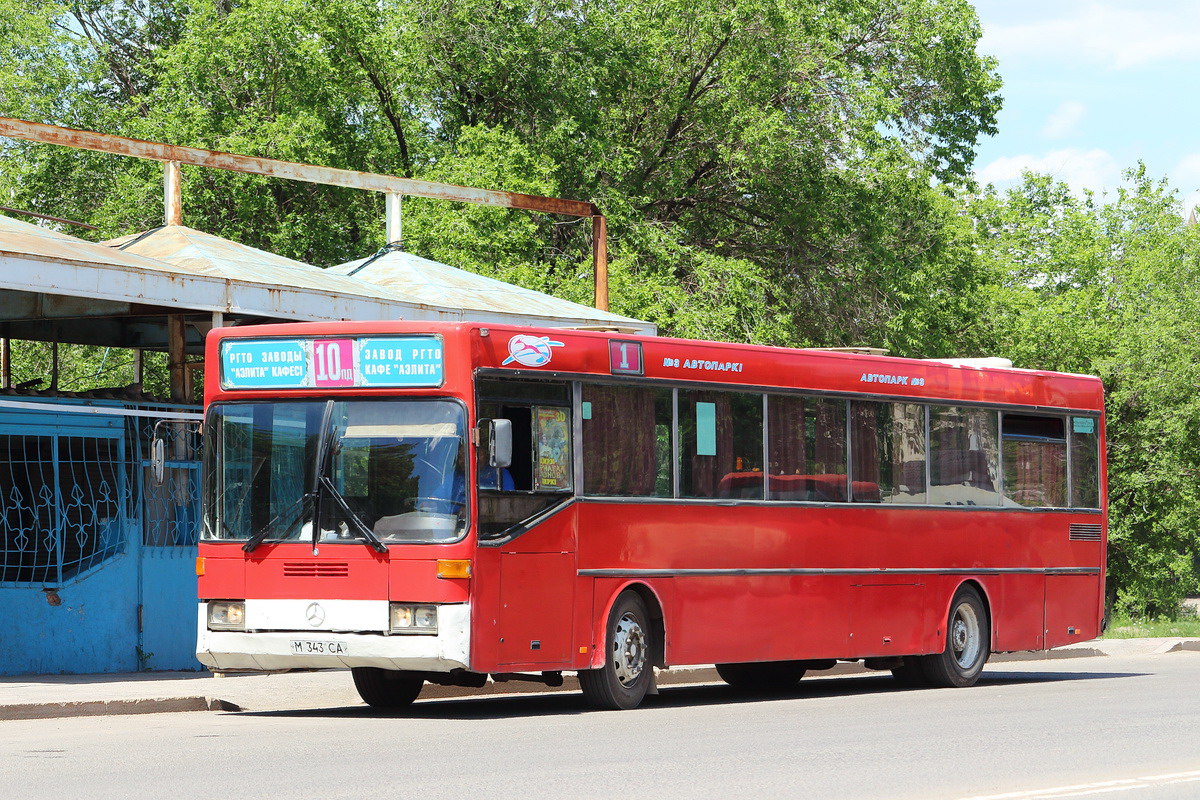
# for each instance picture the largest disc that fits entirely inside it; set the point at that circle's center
(386, 688)
(625, 678)
(968, 638)
(768, 676)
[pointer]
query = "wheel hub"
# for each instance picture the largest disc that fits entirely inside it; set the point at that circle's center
(966, 640)
(629, 650)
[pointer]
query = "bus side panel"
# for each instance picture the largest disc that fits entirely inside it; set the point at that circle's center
(1017, 603)
(1071, 609)
(536, 609)
(891, 617)
(761, 618)
(485, 608)
(587, 611)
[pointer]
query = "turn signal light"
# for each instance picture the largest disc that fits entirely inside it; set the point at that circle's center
(453, 568)
(200, 565)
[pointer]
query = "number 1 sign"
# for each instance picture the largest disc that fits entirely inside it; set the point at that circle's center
(625, 358)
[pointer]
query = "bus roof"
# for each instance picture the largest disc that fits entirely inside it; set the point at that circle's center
(533, 352)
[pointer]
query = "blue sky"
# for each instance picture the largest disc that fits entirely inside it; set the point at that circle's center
(1092, 87)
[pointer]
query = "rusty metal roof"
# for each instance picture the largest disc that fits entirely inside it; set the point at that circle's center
(204, 253)
(186, 270)
(424, 281)
(28, 241)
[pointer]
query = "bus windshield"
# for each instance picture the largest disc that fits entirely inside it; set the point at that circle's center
(358, 470)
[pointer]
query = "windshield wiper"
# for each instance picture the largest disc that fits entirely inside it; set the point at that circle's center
(354, 519)
(296, 512)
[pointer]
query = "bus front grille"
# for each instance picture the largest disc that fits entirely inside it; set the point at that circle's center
(315, 569)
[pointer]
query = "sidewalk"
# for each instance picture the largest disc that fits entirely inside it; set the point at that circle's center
(50, 696)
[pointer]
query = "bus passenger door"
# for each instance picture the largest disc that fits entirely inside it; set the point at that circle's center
(526, 507)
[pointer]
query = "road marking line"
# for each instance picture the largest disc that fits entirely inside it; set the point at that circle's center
(1099, 787)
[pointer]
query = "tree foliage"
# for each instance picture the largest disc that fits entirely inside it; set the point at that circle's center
(790, 148)
(1111, 286)
(775, 171)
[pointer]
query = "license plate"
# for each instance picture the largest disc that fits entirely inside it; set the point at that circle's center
(309, 647)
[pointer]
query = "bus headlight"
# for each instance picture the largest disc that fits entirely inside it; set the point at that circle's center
(226, 615)
(409, 618)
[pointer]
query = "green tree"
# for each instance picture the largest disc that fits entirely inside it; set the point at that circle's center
(1111, 286)
(787, 148)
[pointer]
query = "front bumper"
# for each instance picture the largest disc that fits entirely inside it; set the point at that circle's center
(449, 649)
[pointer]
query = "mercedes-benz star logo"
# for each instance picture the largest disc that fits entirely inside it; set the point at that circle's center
(315, 614)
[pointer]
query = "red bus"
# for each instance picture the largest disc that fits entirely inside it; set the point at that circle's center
(444, 502)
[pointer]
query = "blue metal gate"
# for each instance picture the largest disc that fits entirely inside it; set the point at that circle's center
(96, 560)
(170, 512)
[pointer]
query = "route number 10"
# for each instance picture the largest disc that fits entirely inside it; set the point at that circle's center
(329, 356)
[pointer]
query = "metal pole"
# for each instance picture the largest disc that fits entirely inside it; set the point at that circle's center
(172, 193)
(175, 357)
(54, 363)
(395, 222)
(5, 364)
(216, 159)
(600, 260)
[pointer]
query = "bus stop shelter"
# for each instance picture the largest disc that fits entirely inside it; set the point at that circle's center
(96, 559)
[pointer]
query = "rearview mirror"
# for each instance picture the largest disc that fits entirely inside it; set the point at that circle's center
(499, 441)
(158, 453)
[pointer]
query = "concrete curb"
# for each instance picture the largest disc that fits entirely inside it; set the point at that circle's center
(673, 677)
(101, 708)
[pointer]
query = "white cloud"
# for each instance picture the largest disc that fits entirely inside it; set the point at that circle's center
(1093, 169)
(1063, 121)
(1186, 178)
(1111, 35)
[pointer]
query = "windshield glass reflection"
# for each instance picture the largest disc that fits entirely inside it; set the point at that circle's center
(395, 468)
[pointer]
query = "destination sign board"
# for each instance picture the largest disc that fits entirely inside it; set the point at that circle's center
(336, 363)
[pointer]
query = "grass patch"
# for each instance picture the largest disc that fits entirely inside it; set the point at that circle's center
(1128, 628)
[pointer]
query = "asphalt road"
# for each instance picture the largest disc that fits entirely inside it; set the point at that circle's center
(1124, 727)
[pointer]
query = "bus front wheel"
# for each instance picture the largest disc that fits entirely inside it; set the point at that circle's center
(386, 688)
(968, 638)
(625, 678)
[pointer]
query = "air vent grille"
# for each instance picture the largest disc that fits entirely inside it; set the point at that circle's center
(315, 569)
(1085, 532)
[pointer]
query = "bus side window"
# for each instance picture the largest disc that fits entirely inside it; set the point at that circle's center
(806, 448)
(626, 441)
(887, 448)
(720, 437)
(1034, 452)
(1085, 462)
(964, 456)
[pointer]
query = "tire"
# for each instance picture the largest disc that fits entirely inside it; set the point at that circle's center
(766, 676)
(627, 673)
(386, 688)
(968, 638)
(910, 675)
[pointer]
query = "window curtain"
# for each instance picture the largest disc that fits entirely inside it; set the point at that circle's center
(786, 438)
(707, 471)
(619, 441)
(1037, 473)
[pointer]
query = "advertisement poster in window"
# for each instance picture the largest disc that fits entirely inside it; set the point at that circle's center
(553, 450)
